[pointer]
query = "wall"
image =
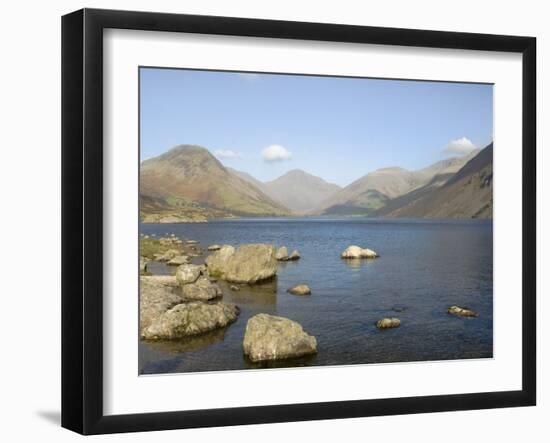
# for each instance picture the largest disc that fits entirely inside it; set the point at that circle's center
(30, 186)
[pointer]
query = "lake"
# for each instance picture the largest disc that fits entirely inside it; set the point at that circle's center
(425, 266)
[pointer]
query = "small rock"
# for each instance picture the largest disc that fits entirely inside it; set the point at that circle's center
(143, 264)
(188, 273)
(294, 256)
(281, 254)
(178, 260)
(300, 290)
(214, 247)
(191, 242)
(268, 337)
(168, 255)
(358, 252)
(386, 323)
(462, 312)
(234, 288)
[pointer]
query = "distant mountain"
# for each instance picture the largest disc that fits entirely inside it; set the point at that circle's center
(376, 189)
(300, 191)
(468, 193)
(189, 178)
(297, 190)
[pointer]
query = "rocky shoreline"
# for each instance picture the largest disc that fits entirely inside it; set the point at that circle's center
(190, 302)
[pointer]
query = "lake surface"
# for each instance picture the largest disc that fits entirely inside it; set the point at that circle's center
(424, 267)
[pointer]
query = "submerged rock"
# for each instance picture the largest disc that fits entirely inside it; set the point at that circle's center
(386, 323)
(250, 263)
(186, 319)
(358, 252)
(300, 290)
(234, 288)
(462, 312)
(178, 260)
(268, 337)
(202, 289)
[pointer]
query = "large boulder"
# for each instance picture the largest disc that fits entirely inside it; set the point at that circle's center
(156, 296)
(186, 319)
(462, 312)
(250, 263)
(202, 289)
(188, 273)
(358, 252)
(268, 337)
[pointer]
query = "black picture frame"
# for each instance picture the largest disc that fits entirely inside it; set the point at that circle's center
(82, 218)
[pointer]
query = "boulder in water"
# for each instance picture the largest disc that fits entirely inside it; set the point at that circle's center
(281, 254)
(387, 323)
(358, 252)
(462, 312)
(250, 263)
(186, 319)
(268, 337)
(300, 290)
(294, 256)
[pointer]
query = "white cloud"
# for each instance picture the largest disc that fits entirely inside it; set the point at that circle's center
(461, 146)
(227, 153)
(276, 153)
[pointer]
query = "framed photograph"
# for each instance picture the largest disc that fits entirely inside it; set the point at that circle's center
(269, 221)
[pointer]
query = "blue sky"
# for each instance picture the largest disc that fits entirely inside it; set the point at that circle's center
(336, 128)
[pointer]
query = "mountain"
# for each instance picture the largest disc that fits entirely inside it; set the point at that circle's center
(376, 189)
(247, 177)
(468, 193)
(189, 179)
(296, 190)
(300, 191)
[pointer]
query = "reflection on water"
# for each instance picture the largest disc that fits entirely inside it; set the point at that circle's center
(257, 296)
(186, 344)
(424, 267)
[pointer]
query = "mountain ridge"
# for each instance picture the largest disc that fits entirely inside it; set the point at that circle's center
(188, 183)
